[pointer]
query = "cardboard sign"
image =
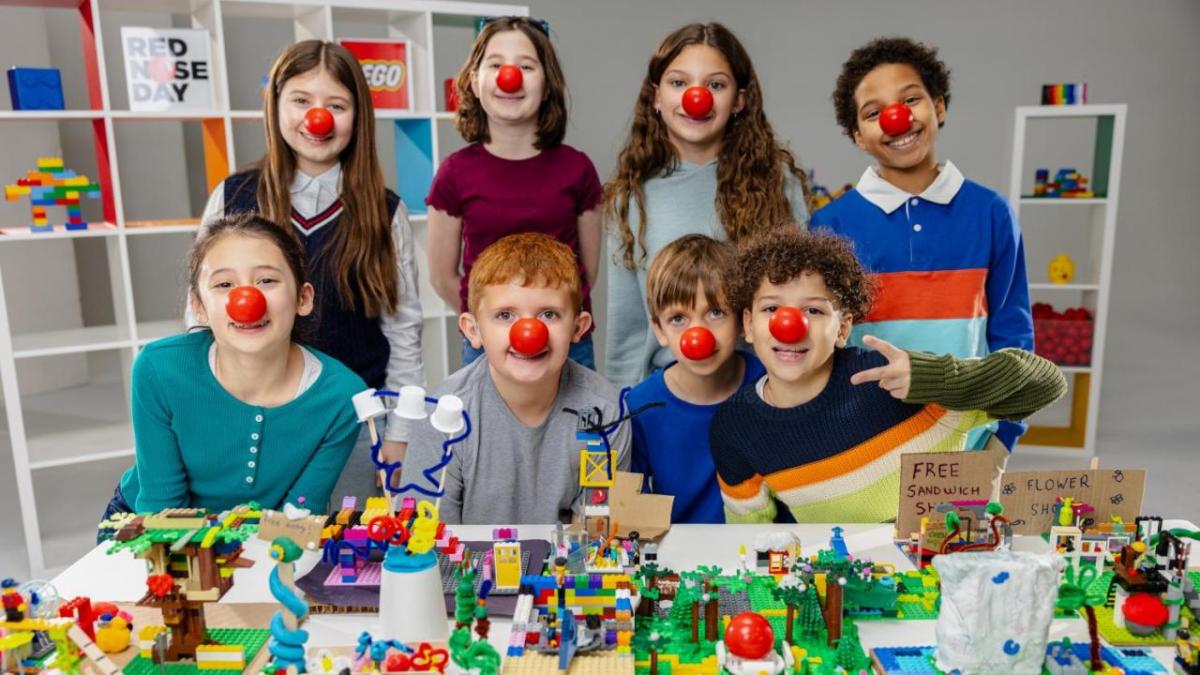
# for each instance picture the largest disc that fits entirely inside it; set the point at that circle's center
(167, 69)
(1028, 496)
(305, 532)
(648, 515)
(385, 66)
(930, 478)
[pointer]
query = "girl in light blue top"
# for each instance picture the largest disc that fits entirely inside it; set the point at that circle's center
(701, 158)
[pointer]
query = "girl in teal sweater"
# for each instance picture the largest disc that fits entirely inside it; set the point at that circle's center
(238, 410)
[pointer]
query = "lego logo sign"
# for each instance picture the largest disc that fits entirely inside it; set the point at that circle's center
(167, 69)
(383, 76)
(386, 69)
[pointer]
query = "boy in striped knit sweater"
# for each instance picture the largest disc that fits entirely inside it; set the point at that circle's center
(815, 433)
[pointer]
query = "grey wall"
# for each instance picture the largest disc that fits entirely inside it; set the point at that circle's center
(1143, 54)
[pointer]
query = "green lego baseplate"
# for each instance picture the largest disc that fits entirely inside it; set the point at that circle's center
(252, 639)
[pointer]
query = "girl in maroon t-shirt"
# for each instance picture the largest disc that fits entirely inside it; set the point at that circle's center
(516, 175)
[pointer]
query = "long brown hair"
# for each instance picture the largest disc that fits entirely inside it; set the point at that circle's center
(750, 174)
(361, 252)
(471, 120)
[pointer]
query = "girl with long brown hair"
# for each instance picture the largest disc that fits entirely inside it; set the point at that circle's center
(701, 158)
(516, 175)
(321, 181)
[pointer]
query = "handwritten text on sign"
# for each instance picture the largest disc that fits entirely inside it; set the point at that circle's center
(928, 479)
(1029, 496)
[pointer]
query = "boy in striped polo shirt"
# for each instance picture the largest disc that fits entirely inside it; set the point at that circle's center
(813, 433)
(946, 252)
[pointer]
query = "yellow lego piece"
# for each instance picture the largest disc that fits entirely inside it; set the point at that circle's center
(77, 181)
(597, 469)
(146, 639)
(72, 194)
(49, 162)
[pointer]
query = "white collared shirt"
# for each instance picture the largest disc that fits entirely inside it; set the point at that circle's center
(312, 195)
(888, 197)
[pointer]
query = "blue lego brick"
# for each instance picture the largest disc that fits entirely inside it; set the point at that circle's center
(35, 88)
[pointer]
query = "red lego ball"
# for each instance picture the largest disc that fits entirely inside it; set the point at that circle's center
(749, 636)
(528, 336)
(509, 79)
(697, 343)
(318, 121)
(895, 119)
(789, 325)
(246, 304)
(697, 101)
(1145, 609)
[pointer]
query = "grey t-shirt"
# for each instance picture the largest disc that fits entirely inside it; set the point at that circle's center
(506, 472)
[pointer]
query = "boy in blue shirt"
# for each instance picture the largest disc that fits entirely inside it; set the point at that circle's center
(687, 294)
(946, 253)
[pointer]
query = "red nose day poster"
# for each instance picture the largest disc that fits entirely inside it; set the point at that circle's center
(167, 69)
(385, 65)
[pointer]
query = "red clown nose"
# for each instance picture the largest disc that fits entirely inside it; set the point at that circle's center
(509, 79)
(318, 122)
(895, 119)
(246, 304)
(528, 336)
(697, 101)
(697, 343)
(789, 325)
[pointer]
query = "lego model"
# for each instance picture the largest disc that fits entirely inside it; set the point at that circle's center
(1067, 184)
(1063, 337)
(987, 623)
(53, 185)
(1071, 93)
(819, 196)
(287, 638)
(1061, 269)
(1062, 658)
(191, 555)
(35, 88)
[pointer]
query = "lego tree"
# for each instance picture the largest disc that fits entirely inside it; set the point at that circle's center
(464, 597)
(811, 619)
(850, 653)
(1072, 595)
(650, 573)
(685, 609)
(790, 592)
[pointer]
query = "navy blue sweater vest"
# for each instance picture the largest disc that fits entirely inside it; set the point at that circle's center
(346, 334)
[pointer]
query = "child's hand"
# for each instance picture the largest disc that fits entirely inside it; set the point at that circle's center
(895, 376)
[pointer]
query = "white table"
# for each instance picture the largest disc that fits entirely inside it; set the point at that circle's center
(122, 578)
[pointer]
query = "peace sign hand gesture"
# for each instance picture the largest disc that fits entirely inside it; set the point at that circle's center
(895, 377)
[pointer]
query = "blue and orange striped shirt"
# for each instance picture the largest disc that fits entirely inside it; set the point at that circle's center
(950, 264)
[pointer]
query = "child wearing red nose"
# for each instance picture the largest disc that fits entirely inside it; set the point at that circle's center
(690, 313)
(823, 431)
(516, 175)
(947, 252)
(321, 179)
(520, 464)
(238, 410)
(701, 158)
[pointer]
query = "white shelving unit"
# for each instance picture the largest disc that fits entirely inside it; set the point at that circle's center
(1095, 249)
(416, 156)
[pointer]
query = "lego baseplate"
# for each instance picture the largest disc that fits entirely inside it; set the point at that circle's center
(365, 598)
